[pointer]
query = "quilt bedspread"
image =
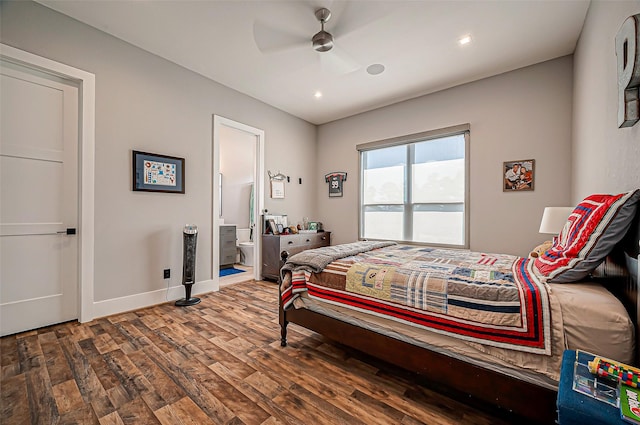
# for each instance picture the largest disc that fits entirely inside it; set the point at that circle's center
(491, 299)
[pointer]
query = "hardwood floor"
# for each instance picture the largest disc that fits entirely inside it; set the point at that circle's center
(219, 362)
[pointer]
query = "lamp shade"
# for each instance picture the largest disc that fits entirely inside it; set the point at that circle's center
(553, 219)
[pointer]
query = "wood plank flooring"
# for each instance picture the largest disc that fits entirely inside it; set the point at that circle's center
(219, 362)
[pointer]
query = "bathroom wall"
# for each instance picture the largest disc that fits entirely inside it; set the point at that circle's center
(237, 163)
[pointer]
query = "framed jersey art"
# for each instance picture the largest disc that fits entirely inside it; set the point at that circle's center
(335, 181)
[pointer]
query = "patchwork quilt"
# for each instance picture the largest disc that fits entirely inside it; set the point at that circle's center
(491, 299)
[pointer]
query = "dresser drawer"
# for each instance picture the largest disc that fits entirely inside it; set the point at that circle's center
(227, 244)
(227, 230)
(231, 250)
(290, 242)
(321, 239)
(227, 259)
(305, 240)
(294, 249)
(301, 242)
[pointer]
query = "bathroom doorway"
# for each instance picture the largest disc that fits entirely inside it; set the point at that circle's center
(238, 198)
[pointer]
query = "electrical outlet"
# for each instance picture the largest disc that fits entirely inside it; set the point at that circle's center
(167, 273)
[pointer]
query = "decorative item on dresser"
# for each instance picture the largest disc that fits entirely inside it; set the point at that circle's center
(228, 249)
(273, 245)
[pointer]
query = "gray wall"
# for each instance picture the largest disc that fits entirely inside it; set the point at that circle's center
(521, 114)
(606, 159)
(146, 103)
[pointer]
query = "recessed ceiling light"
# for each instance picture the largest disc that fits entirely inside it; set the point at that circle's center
(465, 40)
(317, 94)
(375, 69)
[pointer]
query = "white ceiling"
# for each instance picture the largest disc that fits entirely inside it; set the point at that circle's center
(416, 41)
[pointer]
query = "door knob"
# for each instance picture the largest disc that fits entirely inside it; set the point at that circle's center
(69, 231)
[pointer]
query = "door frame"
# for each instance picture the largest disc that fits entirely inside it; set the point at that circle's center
(258, 204)
(86, 159)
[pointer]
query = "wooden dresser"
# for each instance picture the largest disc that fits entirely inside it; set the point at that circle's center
(273, 245)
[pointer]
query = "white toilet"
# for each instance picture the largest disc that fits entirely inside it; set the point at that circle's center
(245, 245)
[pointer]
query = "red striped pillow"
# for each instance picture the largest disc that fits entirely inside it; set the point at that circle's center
(594, 227)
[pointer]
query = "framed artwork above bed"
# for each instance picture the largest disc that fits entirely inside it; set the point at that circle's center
(518, 175)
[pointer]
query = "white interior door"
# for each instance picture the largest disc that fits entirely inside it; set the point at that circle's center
(38, 199)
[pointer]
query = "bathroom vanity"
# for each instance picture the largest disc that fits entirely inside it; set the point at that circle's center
(227, 245)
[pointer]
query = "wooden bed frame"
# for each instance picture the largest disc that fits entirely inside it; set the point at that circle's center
(481, 386)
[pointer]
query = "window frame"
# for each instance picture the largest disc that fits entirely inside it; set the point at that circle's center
(463, 129)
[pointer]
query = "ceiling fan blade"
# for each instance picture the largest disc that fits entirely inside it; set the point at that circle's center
(351, 16)
(273, 39)
(338, 61)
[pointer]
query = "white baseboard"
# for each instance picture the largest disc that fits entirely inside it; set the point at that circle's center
(146, 299)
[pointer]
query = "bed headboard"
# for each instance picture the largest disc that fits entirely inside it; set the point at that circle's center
(619, 274)
(630, 293)
(631, 248)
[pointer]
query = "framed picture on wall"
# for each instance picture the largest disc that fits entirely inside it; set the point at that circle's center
(157, 173)
(277, 189)
(518, 175)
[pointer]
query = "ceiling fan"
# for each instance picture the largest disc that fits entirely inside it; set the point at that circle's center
(270, 39)
(322, 41)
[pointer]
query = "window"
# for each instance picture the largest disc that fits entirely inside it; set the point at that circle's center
(414, 188)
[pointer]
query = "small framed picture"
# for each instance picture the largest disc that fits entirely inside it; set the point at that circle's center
(313, 225)
(273, 226)
(277, 189)
(518, 175)
(280, 228)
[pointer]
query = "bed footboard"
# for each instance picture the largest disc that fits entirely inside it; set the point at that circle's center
(482, 387)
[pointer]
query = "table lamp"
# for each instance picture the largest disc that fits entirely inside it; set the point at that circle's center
(553, 219)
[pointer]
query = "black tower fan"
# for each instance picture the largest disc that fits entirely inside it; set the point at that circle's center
(190, 238)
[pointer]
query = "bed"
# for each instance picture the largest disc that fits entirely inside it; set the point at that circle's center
(501, 344)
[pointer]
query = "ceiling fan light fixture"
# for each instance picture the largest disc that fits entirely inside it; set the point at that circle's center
(322, 41)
